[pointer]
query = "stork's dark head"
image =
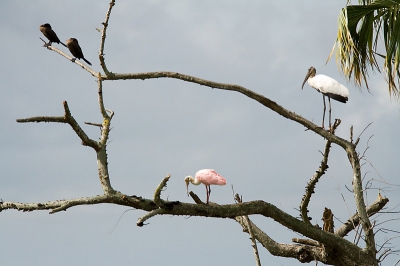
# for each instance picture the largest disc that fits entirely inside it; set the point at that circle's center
(310, 74)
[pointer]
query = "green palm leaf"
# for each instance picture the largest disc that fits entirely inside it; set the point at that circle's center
(362, 30)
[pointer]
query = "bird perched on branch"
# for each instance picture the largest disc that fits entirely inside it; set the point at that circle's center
(328, 87)
(49, 33)
(75, 49)
(207, 177)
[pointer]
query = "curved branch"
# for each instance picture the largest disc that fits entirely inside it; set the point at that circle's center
(103, 39)
(343, 246)
(85, 67)
(359, 199)
(354, 221)
(62, 205)
(232, 87)
(308, 251)
(67, 119)
(315, 178)
(157, 200)
(141, 220)
(54, 206)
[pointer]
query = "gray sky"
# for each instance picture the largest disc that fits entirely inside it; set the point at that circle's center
(166, 126)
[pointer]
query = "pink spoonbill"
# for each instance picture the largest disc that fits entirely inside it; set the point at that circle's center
(328, 87)
(207, 177)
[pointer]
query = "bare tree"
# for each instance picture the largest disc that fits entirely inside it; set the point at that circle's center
(325, 244)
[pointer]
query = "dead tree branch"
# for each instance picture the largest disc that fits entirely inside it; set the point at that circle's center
(67, 119)
(354, 220)
(88, 69)
(103, 40)
(247, 228)
(315, 178)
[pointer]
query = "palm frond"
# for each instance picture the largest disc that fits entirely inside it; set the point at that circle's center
(358, 40)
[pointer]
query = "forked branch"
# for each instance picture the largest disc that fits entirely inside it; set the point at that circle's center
(67, 119)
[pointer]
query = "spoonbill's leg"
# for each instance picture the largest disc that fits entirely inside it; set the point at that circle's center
(208, 190)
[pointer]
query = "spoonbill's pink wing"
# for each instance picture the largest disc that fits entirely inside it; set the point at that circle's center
(210, 177)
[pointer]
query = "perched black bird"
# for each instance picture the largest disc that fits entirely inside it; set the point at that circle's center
(49, 34)
(75, 49)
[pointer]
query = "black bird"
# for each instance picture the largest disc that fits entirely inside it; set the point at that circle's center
(50, 34)
(76, 50)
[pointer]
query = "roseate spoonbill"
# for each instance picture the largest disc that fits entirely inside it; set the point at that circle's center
(207, 177)
(49, 34)
(75, 49)
(328, 87)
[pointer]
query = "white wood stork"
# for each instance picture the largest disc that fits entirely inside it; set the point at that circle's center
(328, 87)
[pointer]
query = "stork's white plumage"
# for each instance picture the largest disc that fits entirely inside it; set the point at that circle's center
(328, 87)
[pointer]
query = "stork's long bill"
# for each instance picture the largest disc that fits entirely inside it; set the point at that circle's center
(311, 73)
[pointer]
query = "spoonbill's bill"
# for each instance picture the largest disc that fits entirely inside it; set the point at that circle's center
(328, 87)
(75, 49)
(49, 34)
(207, 177)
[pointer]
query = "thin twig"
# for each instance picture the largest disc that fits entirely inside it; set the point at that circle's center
(93, 124)
(141, 220)
(358, 139)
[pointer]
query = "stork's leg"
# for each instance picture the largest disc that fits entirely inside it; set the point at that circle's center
(330, 112)
(323, 116)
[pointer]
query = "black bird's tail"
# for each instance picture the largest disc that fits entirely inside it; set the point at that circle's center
(86, 61)
(63, 44)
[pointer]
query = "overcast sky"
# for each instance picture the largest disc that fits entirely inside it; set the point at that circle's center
(167, 126)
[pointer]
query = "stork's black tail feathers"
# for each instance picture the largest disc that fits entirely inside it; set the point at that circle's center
(337, 97)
